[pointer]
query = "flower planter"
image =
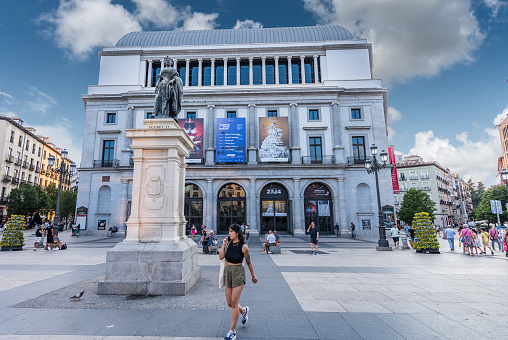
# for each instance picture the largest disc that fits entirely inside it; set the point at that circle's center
(12, 248)
(428, 251)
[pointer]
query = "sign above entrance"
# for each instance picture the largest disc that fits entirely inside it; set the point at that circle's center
(231, 140)
(317, 190)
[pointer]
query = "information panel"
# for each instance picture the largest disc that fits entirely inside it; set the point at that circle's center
(231, 141)
(194, 128)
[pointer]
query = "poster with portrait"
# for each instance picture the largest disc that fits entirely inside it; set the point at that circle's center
(310, 208)
(273, 139)
(194, 129)
(231, 141)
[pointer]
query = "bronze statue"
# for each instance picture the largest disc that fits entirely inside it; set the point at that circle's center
(169, 91)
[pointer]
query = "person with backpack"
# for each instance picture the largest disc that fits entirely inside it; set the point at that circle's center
(494, 237)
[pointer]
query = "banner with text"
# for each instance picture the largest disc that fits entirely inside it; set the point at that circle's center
(194, 128)
(395, 178)
(273, 139)
(231, 141)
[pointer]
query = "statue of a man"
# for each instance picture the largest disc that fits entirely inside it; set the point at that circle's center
(169, 91)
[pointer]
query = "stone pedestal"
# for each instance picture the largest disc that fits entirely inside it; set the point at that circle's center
(156, 258)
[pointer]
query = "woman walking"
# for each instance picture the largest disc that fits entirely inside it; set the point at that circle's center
(234, 250)
(467, 240)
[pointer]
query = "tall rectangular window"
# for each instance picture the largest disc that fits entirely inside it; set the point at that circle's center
(191, 114)
(309, 66)
(219, 73)
(207, 73)
(358, 148)
(257, 72)
(313, 114)
(295, 71)
(156, 69)
(33, 148)
(12, 136)
(182, 69)
(108, 153)
(232, 73)
(9, 152)
(111, 117)
(244, 72)
(316, 149)
(193, 73)
(27, 145)
(39, 152)
(272, 113)
(283, 71)
(7, 169)
(20, 142)
(231, 114)
(4, 189)
(356, 114)
(270, 71)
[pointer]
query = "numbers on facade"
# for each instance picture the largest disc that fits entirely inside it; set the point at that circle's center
(273, 191)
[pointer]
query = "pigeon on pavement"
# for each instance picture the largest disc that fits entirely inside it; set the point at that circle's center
(77, 296)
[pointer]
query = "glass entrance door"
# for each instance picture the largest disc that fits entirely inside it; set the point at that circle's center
(274, 209)
(231, 206)
(318, 206)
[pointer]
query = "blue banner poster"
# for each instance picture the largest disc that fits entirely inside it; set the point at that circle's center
(231, 141)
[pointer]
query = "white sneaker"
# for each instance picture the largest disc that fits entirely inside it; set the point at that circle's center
(245, 316)
(230, 336)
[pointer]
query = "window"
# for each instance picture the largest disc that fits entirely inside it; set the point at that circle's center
(425, 185)
(272, 113)
(244, 73)
(207, 74)
(356, 114)
(395, 199)
(403, 187)
(257, 72)
(44, 154)
(308, 65)
(193, 73)
(313, 114)
(7, 169)
(358, 148)
(108, 153)
(231, 114)
(4, 189)
(283, 71)
(295, 71)
(191, 114)
(149, 115)
(31, 161)
(12, 136)
(402, 176)
(111, 117)
(20, 143)
(232, 73)
(270, 71)
(15, 173)
(219, 73)
(9, 152)
(182, 69)
(412, 175)
(316, 149)
(425, 174)
(18, 156)
(29, 177)
(27, 145)
(156, 69)
(39, 154)
(414, 185)
(33, 148)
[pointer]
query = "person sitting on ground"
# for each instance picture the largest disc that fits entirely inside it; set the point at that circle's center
(270, 241)
(277, 237)
(57, 243)
(39, 230)
(113, 230)
(212, 239)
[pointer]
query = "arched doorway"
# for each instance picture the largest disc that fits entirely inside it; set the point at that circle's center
(231, 204)
(193, 207)
(319, 207)
(275, 209)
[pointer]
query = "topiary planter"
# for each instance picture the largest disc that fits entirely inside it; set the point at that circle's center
(12, 248)
(428, 251)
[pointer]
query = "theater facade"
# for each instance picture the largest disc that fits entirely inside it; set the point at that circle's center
(282, 120)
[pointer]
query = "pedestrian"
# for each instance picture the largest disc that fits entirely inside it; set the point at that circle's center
(39, 230)
(234, 250)
(412, 235)
(193, 231)
(49, 236)
(505, 241)
(247, 232)
(395, 236)
(437, 228)
(314, 237)
(494, 236)
(450, 234)
(78, 228)
(353, 232)
(337, 229)
(485, 239)
(477, 242)
(459, 232)
(243, 228)
(204, 240)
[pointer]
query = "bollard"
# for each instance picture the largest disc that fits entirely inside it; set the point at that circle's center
(404, 242)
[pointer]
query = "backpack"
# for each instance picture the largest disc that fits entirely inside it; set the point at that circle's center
(63, 246)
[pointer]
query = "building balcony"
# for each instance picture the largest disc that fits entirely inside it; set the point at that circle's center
(17, 161)
(9, 158)
(7, 178)
(38, 169)
(413, 178)
(426, 188)
(4, 200)
(110, 163)
(31, 167)
(318, 160)
(425, 177)
(357, 160)
(402, 178)
(15, 180)
(25, 164)
(403, 189)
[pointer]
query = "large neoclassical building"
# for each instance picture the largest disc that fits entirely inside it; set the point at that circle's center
(282, 120)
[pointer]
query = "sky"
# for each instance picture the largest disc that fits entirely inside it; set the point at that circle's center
(444, 62)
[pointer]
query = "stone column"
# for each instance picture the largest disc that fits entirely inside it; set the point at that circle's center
(210, 135)
(263, 69)
(225, 71)
(150, 70)
(338, 148)
(276, 69)
(175, 64)
(251, 216)
(302, 68)
(252, 150)
(129, 124)
(122, 205)
(200, 71)
(238, 70)
(251, 72)
(162, 63)
(296, 157)
(187, 65)
(290, 72)
(209, 207)
(316, 69)
(298, 218)
(343, 218)
(212, 72)
(155, 258)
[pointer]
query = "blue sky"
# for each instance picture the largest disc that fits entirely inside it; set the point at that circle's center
(443, 61)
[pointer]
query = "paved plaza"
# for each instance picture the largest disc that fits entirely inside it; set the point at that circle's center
(348, 291)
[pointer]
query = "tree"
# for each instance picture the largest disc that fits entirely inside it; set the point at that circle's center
(415, 201)
(24, 200)
(483, 211)
(52, 192)
(67, 204)
(45, 204)
(476, 193)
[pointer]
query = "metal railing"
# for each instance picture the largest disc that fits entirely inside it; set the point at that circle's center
(31, 167)
(4, 200)
(25, 164)
(351, 160)
(111, 163)
(9, 158)
(318, 160)
(7, 178)
(15, 180)
(17, 161)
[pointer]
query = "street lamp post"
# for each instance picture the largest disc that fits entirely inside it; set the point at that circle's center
(373, 166)
(62, 171)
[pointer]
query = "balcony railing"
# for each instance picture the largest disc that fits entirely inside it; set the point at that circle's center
(7, 178)
(17, 161)
(402, 178)
(357, 160)
(9, 158)
(425, 177)
(426, 188)
(31, 167)
(413, 178)
(111, 163)
(38, 169)
(318, 160)
(4, 200)
(25, 164)
(15, 180)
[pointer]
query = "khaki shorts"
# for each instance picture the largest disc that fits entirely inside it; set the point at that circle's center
(234, 276)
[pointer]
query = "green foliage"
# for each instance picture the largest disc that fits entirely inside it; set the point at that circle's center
(425, 234)
(483, 211)
(13, 232)
(52, 192)
(67, 203)
(24, 200)
(476, 192)
(44, 204)
(415, 201)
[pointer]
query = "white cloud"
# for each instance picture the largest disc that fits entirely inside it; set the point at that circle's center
(8, 99)
(391, 133)
(200, 21)
(409, 38)
(494, 5)
(500, 117)
(470, 159)
(79, 26)
(39, 102)
(394, 115)
(247, 23)
(159, 12)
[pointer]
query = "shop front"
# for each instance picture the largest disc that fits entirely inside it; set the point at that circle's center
(275, 209)
(318, 206)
